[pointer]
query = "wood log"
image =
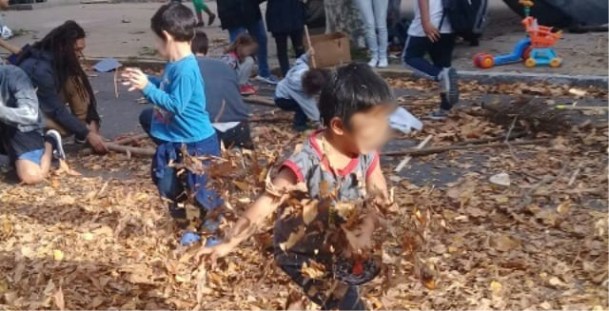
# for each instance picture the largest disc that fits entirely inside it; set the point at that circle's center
(131, 139)
(130, 150)
(259, 100)
(432, 150)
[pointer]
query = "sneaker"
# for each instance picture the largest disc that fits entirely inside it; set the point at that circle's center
(383, 63)
(54, 138)
(439, 114)
(448, 77)
(270, 79)
(373, 62)
(212, 18)
(247, 89)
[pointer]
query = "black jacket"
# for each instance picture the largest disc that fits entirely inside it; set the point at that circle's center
(239, 13)
(284, 16)
(39, 67)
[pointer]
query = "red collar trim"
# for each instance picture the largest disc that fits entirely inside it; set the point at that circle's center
(324, 160)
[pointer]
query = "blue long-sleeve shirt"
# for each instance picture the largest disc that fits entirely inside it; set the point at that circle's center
(179, 100)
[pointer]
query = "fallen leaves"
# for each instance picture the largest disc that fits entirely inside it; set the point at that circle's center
(505, 243)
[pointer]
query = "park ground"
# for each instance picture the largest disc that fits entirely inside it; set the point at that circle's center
(104, 240)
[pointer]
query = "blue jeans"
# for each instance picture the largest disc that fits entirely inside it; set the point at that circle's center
(300, 118)
(258, 31)
(374, 15)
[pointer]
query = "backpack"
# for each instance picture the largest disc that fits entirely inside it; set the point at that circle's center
(467, 17)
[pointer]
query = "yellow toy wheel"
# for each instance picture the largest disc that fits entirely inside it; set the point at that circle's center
(530, 62)
(555, 62)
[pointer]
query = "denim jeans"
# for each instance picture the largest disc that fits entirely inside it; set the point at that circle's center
(440, 52)
(258, 31)
(374, 14)
(300, 118)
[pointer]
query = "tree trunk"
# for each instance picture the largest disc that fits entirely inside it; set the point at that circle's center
(343, 15)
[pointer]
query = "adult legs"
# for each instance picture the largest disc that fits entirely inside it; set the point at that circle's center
(281, 40)
(380, 22)
(258, 31)
(233, 33)
(297, 42)
(366, 9)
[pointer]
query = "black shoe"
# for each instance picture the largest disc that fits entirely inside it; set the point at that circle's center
(54, 138)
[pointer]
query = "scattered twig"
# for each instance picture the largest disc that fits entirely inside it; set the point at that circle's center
(116, 82)
(507, 139)
(527, 196)
(217, 118)
(270, 120)
(574, 176)
(408, 158)
(426, 151)
(313, 62)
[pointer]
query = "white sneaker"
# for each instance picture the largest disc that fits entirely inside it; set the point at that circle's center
(383, 63)
(54, 138)
(373, 62)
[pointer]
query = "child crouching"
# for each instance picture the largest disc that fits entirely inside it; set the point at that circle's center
(339, 165)
(179, 122)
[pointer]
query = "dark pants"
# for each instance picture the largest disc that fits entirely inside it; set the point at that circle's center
(300, 118)
(172, 187)
(349, 301)
(440, 52)
(281, 39)
(239, 136)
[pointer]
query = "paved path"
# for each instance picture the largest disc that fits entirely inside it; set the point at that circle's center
(122, 30)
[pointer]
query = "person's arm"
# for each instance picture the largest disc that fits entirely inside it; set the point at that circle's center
(26, 112)
(54, 107)
(253, 217)
(430, 30)
(177, 96)
(303, 59)
(9, 47)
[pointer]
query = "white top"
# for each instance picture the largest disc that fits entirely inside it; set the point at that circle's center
(435, 15)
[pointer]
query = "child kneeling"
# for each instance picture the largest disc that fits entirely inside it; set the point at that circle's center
(337, 164)
(179, 121)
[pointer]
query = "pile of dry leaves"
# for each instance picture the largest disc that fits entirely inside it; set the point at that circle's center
(538, 240)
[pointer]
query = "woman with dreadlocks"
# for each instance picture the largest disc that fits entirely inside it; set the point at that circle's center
(54, 68)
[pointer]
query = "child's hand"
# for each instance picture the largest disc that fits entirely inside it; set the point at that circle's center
(431, 31)
(217, 251)
(135, 78)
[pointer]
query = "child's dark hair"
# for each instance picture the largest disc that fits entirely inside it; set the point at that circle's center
(176, 19)
(353, 88)
(200, 44)
(242, 39)
(314, 80)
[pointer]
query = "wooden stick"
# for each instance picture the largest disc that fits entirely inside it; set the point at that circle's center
(421, 152)
(563, 107)
(130, 150)
(408, 158)
(116, 82)
(131, 139)
(308, 37)
(259, 100)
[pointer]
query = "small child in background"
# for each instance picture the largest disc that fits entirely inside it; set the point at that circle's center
(297, 91)
(200, 7)
(240, 56)
(338, 164)
(179, 120)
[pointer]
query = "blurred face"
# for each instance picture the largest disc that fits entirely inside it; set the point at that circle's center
(247, 50)
(368, 131)
(3, 4)
(79, 46)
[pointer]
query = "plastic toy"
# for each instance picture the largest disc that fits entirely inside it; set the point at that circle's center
(535, 50)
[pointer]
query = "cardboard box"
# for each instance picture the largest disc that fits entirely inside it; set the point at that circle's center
(331, 49)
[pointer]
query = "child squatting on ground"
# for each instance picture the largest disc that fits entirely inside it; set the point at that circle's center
(240, 56)
(298, 90)
(337, 164)
(180, 121)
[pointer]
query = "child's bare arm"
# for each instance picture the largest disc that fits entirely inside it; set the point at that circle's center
(376, 184)
(253, 217)
(430, 30)
(9, 47)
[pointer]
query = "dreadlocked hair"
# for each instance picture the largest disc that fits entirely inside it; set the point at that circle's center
(60, 42)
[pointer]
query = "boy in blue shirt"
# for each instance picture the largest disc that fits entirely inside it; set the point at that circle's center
(180, 120)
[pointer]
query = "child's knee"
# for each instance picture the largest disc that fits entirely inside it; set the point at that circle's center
(30, 176)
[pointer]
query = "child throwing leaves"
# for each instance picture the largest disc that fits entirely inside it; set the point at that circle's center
(323, 241)
(180, 123)
(240, 56)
